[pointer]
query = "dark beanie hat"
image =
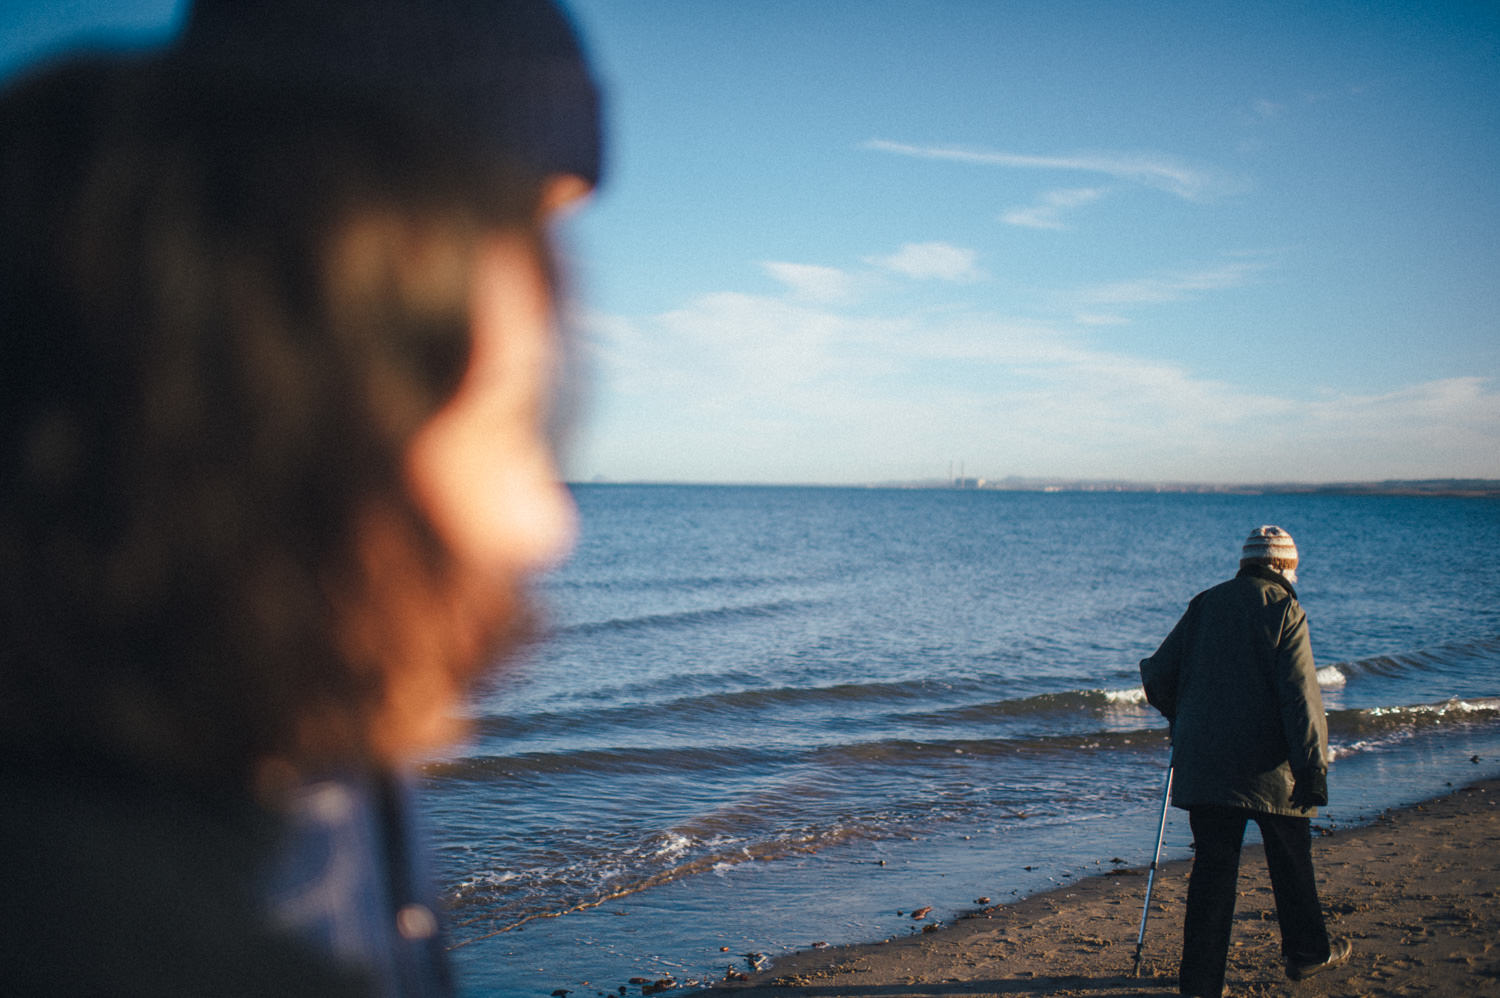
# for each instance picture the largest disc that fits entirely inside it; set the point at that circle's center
(509, 74)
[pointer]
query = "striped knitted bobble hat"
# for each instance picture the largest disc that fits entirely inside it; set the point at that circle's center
(1271, 547)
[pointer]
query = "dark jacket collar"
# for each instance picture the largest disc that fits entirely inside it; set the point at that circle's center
(1270, 575)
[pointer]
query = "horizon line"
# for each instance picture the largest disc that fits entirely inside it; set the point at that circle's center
(1475, 487)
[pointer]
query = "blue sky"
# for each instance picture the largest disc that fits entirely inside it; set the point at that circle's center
(875, 240)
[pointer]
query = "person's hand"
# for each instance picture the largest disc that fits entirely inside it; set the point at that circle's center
(1310, 789)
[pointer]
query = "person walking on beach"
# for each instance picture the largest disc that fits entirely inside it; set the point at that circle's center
(1235, 677)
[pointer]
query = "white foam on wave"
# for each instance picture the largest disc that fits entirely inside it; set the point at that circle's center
(1331, 677)
(673, 845)
(1454, 706)
(482, 883)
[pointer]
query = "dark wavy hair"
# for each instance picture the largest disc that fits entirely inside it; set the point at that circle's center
(225, 311)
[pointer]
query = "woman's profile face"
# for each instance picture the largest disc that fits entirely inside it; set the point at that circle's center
(483, 473)
(482, 468)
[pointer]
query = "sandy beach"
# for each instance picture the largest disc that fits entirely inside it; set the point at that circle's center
(1415, 890)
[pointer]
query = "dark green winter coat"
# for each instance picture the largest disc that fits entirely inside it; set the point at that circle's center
(1236, 679)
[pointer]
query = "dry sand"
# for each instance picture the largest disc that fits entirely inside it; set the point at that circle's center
(1416, 892)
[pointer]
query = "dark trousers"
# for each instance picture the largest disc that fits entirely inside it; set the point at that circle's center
(1217, 835)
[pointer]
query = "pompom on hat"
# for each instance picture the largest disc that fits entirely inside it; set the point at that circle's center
(1272, 547)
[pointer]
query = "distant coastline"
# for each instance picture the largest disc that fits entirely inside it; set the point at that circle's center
(1435, 487)
(1467, 487)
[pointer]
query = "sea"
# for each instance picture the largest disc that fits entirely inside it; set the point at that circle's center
(764, 719)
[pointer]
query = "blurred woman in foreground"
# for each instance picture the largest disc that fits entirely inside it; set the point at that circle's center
(276, 470)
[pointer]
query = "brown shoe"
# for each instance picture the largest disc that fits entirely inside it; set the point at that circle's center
(1338, 955)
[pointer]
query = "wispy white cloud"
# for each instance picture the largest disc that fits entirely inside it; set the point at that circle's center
(1048, 210)
(1158, 171)
(811, 282)
(746, 387)
(941, 261)
(1266, 109)
(1169, 287)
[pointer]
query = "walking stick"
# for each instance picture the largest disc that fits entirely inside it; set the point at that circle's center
(1161, 830)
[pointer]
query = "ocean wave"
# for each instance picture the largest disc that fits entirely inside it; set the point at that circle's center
(1329, 677)
(736, 701)
(1438, 658)
(684, 618)
(833, 699)
(1351, 730)
(756, 755)
(552, 892)
(1068, 707)
(619, 761)
(652, 703)
(688, 706)
(964, 752)
(812, 716)
(666, 583)
(1375, 728)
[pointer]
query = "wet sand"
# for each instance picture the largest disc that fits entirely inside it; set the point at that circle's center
(1417, 891)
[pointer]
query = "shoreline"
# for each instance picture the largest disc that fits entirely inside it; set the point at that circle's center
(1417, 890)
